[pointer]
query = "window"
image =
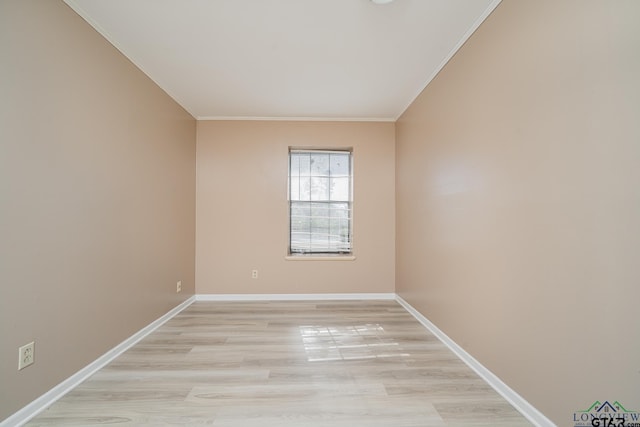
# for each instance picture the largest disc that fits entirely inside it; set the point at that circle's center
(320, 199)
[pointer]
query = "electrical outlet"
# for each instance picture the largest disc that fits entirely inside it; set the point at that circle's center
(26, 355)
(179, 286)
(254, 274)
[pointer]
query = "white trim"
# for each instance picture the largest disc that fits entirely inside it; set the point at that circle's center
(518, 402)
(47, 399)
(453, 51)
(294, 297)
(294, 119)
(84, 15)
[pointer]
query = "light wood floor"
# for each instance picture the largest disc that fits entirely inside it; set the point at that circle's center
(322, 363)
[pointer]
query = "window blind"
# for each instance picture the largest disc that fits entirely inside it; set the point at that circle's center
(320, 201)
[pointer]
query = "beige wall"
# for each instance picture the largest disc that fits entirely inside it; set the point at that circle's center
(242, 221)
(515, 177)
(97, 197)
(518, 204)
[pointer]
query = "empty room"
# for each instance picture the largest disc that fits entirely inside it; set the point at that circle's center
(320, 212)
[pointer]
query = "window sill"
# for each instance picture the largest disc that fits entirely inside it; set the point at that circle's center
(320, 258)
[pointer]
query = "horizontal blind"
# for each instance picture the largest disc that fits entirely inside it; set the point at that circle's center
(320, 199)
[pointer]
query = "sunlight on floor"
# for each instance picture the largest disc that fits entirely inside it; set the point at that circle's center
(327, 343)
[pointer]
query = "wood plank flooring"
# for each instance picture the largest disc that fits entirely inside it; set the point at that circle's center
(290, 363)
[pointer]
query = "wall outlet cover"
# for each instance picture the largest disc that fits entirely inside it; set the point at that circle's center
(26, 355)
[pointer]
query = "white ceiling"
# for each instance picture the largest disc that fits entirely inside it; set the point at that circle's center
(288, 59)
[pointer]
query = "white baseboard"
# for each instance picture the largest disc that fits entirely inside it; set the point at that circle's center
(40, 404)
(518, 402)
(294, 297)
(43, 402)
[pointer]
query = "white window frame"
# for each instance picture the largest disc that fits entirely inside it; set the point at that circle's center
(338, 210)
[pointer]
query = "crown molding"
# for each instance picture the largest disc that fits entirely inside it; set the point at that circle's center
(295, 119)
(453, 51)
